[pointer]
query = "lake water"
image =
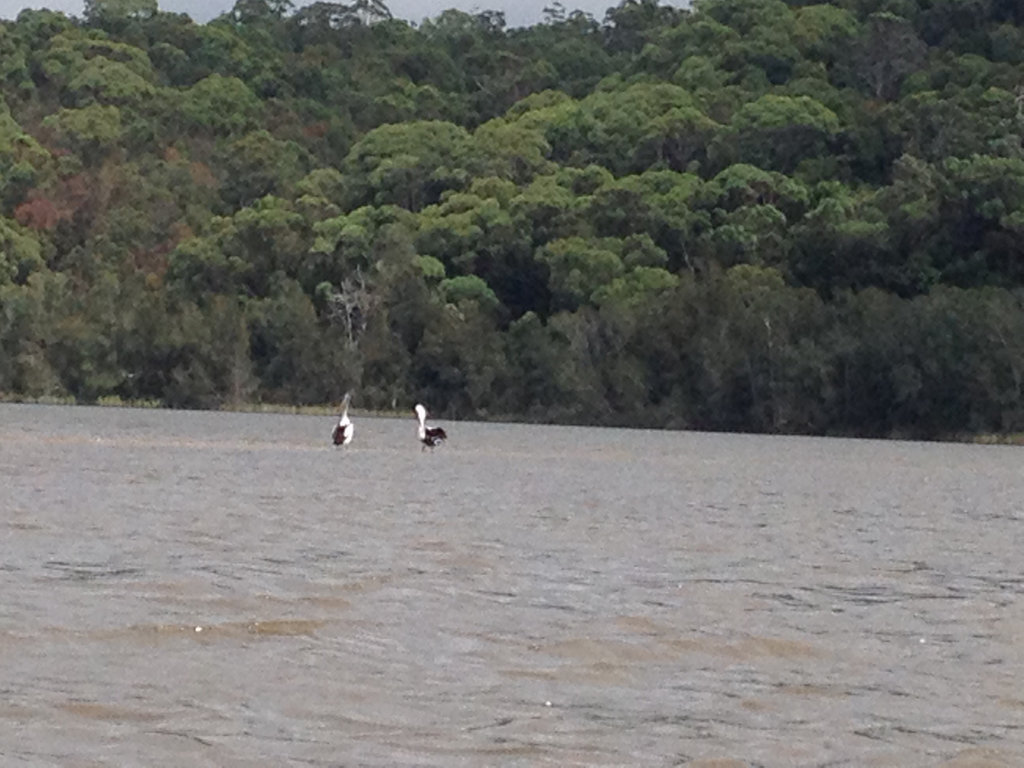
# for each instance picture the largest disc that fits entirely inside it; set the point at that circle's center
(216, 589)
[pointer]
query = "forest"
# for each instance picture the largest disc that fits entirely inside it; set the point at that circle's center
(747, 215)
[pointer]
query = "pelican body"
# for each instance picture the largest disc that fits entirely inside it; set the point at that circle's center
(431, 437)
(342, 434)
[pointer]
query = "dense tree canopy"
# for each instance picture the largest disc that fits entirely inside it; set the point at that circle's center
(770, 215)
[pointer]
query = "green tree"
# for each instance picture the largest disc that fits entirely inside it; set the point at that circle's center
(91, 132)
(578, 268)
(21, 253)
(778, 132)
(101, 11)
(887, 50)
(220, 105)
(256, 165)
(763, 358)
(23, 161)
(408, 165)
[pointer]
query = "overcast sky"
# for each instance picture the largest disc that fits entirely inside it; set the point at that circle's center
(517, 12)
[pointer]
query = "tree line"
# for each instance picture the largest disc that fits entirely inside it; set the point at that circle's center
(761, 215)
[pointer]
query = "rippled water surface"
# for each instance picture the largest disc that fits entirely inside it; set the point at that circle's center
(213, 589)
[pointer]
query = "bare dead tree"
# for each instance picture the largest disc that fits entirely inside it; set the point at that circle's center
(351, 305)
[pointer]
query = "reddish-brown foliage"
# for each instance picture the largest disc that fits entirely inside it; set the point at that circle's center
(316, 130)
(38, 213)
(202, 176)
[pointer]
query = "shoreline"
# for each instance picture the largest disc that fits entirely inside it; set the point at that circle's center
(983, 438)
(247, 407)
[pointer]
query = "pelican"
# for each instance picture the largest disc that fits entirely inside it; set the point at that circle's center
(431, 437)
(342, 434)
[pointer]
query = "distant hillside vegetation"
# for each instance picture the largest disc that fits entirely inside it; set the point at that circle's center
(758, 215)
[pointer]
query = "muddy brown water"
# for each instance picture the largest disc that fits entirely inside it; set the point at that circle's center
(216, 589)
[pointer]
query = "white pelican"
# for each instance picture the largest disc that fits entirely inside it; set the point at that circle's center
(342, 434)
(431, 437)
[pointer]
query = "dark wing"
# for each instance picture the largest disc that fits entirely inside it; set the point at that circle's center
(339, 434)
